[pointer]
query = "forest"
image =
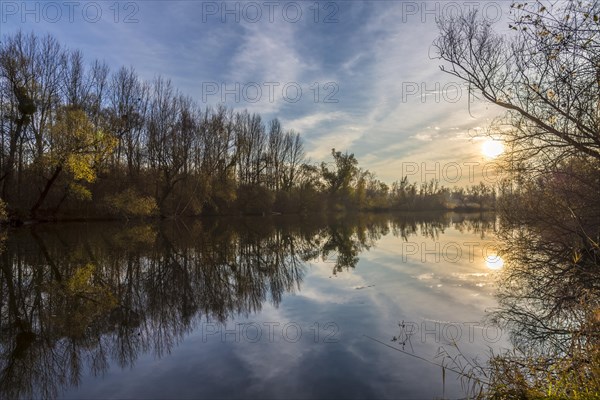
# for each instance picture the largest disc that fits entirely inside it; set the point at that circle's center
(79, 141)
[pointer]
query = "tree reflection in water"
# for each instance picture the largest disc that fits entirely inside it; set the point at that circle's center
(549, 298)
(75, 298)
(549, 291)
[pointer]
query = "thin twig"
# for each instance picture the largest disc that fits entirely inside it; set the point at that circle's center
(428, 361)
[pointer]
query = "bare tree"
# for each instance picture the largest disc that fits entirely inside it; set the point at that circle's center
(546, 76)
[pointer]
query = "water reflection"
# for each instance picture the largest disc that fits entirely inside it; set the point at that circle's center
(549, 291)
(76, 298)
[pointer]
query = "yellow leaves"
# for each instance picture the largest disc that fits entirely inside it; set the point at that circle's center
(71, 129)
(80, 301)
(80, 192)
(74, 134)
(576, 256)
(106, 144)
(136, 235)
(81, 284)
(81, 167)
(79, 147)
(131, 204)
(81, 279)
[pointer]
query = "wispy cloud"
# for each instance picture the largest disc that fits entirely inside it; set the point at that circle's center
(389, 92)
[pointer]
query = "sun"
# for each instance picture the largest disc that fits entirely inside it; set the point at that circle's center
(494, 262)
(492, 148)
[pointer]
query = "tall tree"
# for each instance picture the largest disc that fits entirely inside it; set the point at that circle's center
(76, 147)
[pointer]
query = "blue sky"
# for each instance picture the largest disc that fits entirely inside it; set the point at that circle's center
(369, 83)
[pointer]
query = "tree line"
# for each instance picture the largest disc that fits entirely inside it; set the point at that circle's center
(77, 140)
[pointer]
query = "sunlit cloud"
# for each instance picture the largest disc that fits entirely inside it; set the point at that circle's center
(392, 102)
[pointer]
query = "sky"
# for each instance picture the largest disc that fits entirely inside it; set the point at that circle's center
(357, 76)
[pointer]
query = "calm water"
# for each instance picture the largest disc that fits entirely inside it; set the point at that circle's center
(246, 308)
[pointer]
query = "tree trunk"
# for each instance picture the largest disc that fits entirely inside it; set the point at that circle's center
(45, 192)
(10, 162)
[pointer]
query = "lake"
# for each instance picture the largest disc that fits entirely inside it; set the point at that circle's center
(358, 306)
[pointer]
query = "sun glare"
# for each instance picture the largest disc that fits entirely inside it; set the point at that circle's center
(492, 148)
(494, 262)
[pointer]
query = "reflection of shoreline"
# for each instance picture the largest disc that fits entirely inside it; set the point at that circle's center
(80, 296)
(547, 292)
